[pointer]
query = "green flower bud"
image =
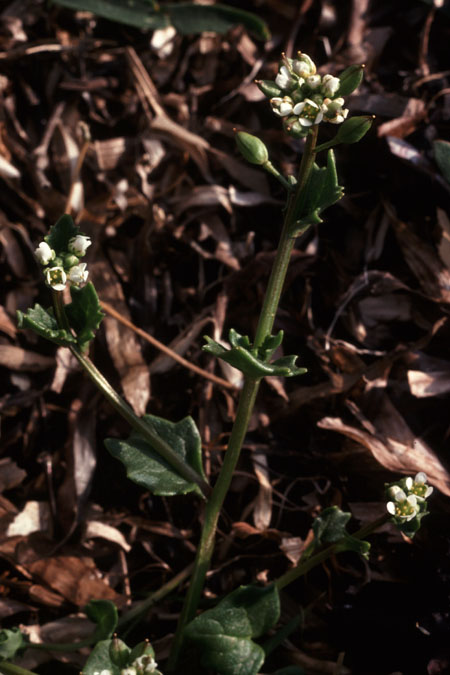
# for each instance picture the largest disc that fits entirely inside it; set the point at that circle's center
(70, 260)
(353, 129)
(268, 88)
(251, 148)
(350, 79)
(119, 653)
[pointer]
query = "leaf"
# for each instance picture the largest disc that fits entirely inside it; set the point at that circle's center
(330, 528)
(147, 468)
(186, 17)
(44, 324)
(137, 13)
(243, 357)
(84, 314)
(100, 659)
(104, 614)
(11, 643)
(441, 150)
(223, 634)
(60, 234)
(189, 18)
(323, 190)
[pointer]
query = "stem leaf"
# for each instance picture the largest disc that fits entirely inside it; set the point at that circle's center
(42, 322)
(61, 233)
(84, 314)
(331, 528)
(147, 468)
(242, 356)
(12, 642)
(104, 614)
(224, 634)
(186, 17)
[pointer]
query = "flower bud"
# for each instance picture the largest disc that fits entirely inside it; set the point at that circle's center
(251, 148)
(44, 253)
(353, 129)
(350, 79)
(268, 88)
(70, 260)
(119, 653)
(79, 244)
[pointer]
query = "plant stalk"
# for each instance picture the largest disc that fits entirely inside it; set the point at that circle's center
(246, 403)
(303, 566)
(137, 423)
(7, 668)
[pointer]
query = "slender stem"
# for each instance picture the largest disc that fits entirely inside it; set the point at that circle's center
(246, 403)
(270, 168)
(137, 423)
(7, 668)
(304, 566)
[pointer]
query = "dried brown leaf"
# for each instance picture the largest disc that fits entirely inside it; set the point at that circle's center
(16, 358)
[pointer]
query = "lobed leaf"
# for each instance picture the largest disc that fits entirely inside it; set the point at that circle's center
(42, 322)
(60, 234)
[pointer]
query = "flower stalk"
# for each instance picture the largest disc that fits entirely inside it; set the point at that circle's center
(246, 400)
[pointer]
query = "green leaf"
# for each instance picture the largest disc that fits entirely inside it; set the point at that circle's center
(60, 234)
(84, 314)
(224, 634)
(441, 150)
(100, 659)
(11, 643)
(104, 614)
(189, 18)
(243, 357)
(44, 324)
(147, 468)
(136, 13)
(331, 528)
(186, 17)
(323, 190)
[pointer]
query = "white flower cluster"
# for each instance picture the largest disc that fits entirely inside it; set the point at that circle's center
(66, 266)
(408, 499)
(143, 665)
(306, 98)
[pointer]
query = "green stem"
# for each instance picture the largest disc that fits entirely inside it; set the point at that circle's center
(246, 403)
(7, 668)
(303, 566)
(137, 423)
(270, 168)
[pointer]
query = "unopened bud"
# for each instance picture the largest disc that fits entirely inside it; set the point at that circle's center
(350, 79)
(268, 88)
(70, 261)
(353, 129)
(251, 148)
(119, 653)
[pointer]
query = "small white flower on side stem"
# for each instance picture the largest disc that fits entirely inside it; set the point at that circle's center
(282, 106)
(56, 278)
(285, 79)
(78, 274)
(79, 244)
(419, 487)
(314, 81)
(303, 65)
(44, 253)
(330, 85)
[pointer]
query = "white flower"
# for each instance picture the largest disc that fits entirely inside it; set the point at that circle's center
(44, 253)
(145, 664)
(102, 672)
(128, 671)
(330, 85)
(304, 66)
(419, 487)
(78, 274)
(334, 112)
(308, 112)
(284, 79)
(56, 278)
(313, 81)
(79, 244)
(403, 507)
(282, 106)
